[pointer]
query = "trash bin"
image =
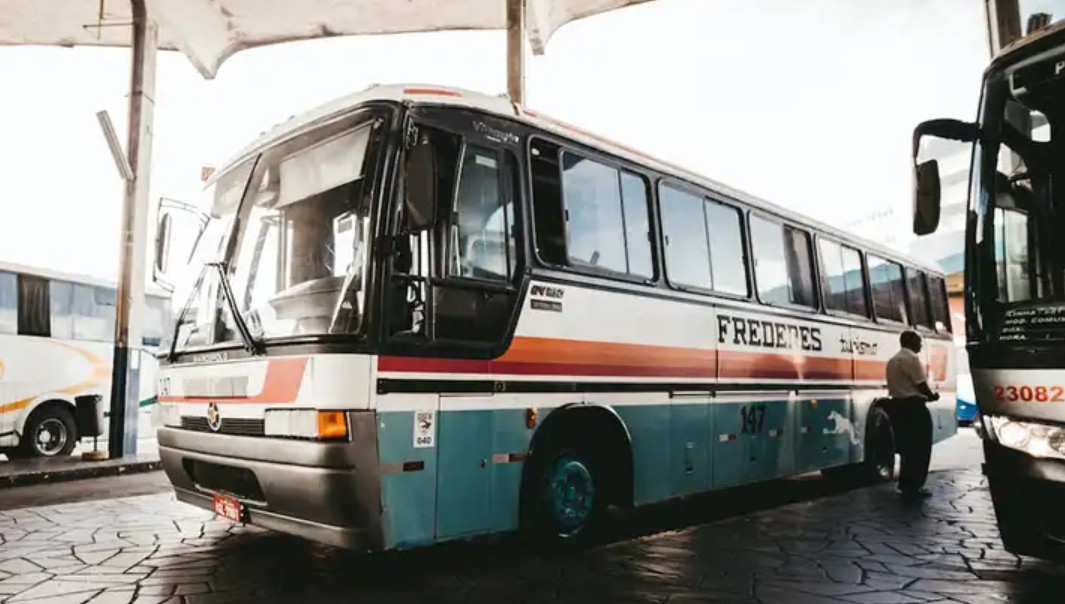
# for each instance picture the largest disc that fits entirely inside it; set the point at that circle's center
(89, 415)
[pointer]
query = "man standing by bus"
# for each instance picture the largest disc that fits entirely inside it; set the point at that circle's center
(909, 392)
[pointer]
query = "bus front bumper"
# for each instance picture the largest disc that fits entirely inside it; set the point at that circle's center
(327, 492)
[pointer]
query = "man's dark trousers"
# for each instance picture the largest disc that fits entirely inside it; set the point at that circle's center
(913, 435)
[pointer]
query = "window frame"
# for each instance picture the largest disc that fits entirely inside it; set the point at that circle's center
(818, 304)
(823, 280)
(741, 223)
(506, 190)
(563, 145)
(905, 292)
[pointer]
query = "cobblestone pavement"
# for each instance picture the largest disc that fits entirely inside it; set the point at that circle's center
(863, 547)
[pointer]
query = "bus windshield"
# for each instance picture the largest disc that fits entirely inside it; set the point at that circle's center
(1016, 212)
(289, 228)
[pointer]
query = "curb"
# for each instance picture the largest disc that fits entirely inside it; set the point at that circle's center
(102, 469)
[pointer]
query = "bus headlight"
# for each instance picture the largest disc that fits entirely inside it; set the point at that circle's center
(1037, 440)
(305, 423)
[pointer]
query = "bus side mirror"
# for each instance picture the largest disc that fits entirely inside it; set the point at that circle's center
(420, 178)
(926, 200)
(927, 190)
(185, 222)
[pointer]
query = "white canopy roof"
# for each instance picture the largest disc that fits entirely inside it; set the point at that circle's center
(210, 31)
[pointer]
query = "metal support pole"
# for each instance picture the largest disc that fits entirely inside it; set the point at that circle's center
(125, 372)
(516, 51)
(1003, 23)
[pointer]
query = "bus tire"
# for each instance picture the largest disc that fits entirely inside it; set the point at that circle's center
(565, 502)
(880, 447)
(54, 423)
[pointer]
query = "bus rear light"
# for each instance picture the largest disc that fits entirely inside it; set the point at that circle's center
(530, 418)
(305, 423)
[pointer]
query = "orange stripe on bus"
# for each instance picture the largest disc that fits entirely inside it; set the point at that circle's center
(639, 359)
(432, 91)
(281, 385)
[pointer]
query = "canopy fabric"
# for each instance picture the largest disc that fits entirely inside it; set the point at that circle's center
(210, 31)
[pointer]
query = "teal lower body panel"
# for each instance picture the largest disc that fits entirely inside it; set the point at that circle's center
(408, 494)
(468, 481)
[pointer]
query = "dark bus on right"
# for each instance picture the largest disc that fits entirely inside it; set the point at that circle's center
(1014, 281)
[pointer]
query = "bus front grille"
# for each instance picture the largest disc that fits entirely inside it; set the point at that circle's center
(238, 482)
(235, 425)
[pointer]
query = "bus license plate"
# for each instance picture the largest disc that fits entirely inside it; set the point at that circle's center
(228, 508)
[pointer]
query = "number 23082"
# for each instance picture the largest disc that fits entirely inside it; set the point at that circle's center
(1028, 394)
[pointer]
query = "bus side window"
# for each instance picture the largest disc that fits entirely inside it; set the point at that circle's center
(34, 317)
(8, 303)
(783, 263)
(843, 281)
(937, 290)
(62, 294)
(550, 218)
(885, 280)
(94, 313)
(918, 298)
(606, 216)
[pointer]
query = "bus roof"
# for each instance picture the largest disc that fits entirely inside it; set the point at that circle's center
(501, 106)
(82, 279)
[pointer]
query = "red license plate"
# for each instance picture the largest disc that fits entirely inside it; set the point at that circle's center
(228, 508)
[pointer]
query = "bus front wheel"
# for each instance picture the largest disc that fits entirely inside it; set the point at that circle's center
(1018, 526)
(50, 432)
(566, 502)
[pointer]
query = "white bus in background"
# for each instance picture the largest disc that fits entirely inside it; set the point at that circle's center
(56, 344)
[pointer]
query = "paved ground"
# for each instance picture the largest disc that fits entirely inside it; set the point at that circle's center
(862, 547)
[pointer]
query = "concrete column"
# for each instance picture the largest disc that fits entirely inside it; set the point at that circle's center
(125, 377)
(516, 51)
(1003, 23)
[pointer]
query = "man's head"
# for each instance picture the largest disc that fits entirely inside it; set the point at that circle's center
(910, 339)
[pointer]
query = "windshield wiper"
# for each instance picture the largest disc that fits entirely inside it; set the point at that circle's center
(171, 354)
(252, 345)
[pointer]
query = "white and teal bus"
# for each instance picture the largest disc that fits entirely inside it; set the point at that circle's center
(56, 335)
(425, 313)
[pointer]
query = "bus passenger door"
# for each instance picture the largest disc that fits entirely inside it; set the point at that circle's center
(452, 286)
(464, 474)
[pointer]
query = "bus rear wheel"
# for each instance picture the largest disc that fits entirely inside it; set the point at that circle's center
(565, 502)
(880, 447)
(50, 432)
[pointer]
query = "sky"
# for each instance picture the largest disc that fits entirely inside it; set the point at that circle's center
(807, 104)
